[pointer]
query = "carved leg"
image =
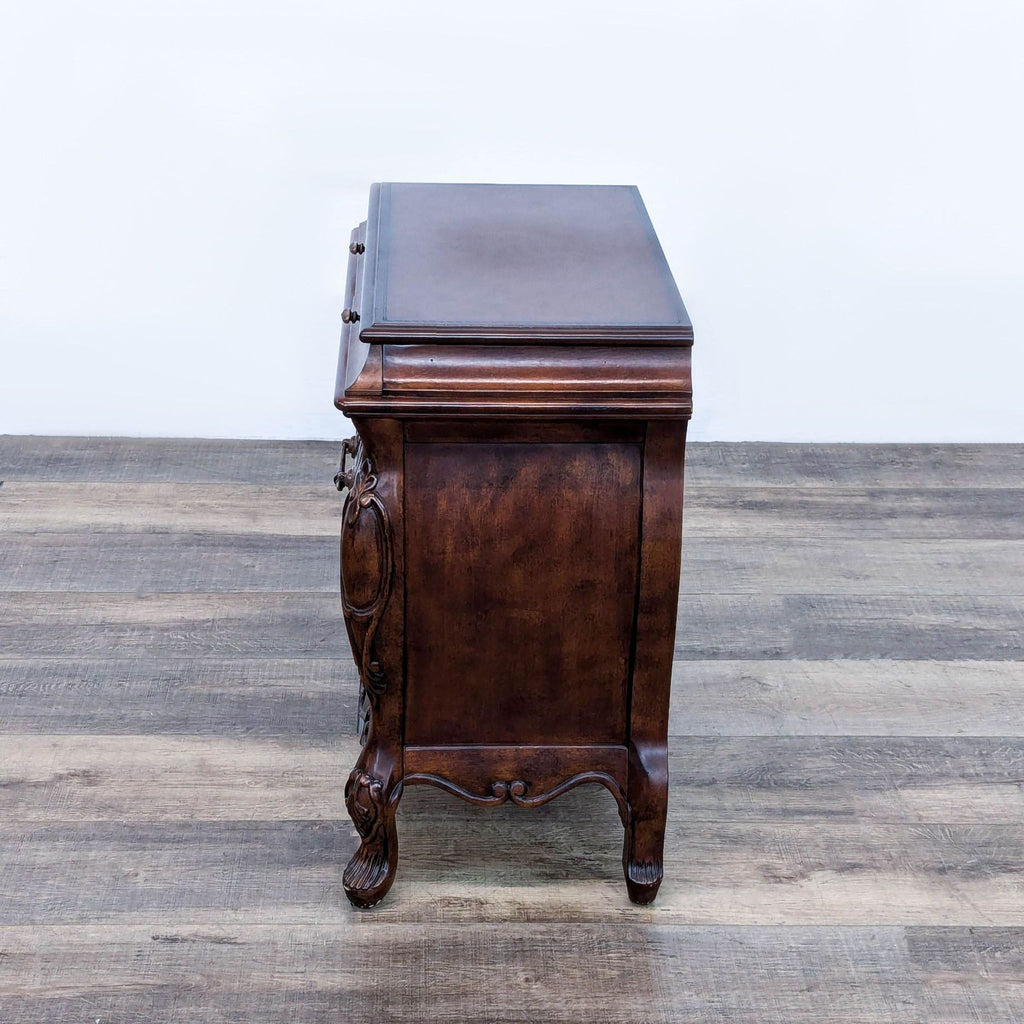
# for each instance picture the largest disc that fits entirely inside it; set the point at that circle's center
(645, 830)
(371, 805)
(642, 858)
(657, 604)
(371, 571)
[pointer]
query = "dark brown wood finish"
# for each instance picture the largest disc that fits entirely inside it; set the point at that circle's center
(483, 521)
(521, 262)
(510, 545)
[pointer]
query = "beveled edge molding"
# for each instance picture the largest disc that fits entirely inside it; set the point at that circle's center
(542, 406)
(443, 380)
(396, 332)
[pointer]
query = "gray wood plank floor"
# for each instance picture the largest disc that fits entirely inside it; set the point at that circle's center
(846, 833)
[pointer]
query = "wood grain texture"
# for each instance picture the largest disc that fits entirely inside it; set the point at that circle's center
(854, 566)
(964, 513)
(559, 862)
(122, 459)
(168, 563)
(221, 562)
(969, 975)
(850, 778)
(206, 695)
(855, 626)
(775, 464)
(860, 511)
(548, 972)
(98, 778)
(312, 698)
(290, 510)
(477, 615)
(132, 459)
(846, 830)
(709, 627)
(847, 698)
(914, 780)
(141, 625)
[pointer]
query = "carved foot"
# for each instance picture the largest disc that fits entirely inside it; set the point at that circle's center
(642, 859)
(371, 870)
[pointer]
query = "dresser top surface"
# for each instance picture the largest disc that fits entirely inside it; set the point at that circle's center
(518, 262)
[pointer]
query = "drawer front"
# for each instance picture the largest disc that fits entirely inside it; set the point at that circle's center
(352, 355)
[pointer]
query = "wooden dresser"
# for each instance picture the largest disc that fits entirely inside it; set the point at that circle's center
(516, 362)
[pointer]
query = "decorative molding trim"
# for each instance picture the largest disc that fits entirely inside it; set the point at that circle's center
(362, 621)
(516, 791)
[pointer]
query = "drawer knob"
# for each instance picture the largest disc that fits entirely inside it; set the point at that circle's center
(349, 316)
(356, 248)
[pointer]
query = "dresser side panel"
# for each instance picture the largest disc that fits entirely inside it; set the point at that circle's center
(520, 591)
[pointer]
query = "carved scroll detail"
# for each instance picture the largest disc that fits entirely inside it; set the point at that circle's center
(363, 620)
(369, 873)
(364, 798)
(516, 791)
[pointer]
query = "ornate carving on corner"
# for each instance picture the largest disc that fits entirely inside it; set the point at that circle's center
(364, 798)
(368, 874)
(362, 504)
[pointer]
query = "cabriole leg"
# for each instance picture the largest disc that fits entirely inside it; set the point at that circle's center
(647, 790)
(371, 803)
(645, 829)
(371, 573)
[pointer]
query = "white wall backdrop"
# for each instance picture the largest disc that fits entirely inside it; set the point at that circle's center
(837, 185)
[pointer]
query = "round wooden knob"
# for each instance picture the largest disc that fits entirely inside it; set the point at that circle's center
(349, 316)
(356, 248)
